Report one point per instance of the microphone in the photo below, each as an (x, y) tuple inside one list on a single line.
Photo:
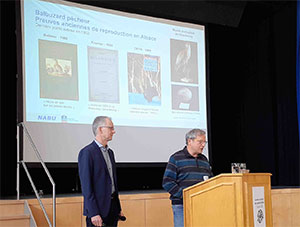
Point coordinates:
[(122, 218)]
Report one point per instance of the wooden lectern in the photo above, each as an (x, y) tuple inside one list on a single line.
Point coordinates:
[(229, 200)]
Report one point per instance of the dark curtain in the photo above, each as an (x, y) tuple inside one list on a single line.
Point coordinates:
[(253, 87), (298, 64), (8, 153)]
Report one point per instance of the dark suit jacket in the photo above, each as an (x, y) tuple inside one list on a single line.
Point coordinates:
[(95, 180)]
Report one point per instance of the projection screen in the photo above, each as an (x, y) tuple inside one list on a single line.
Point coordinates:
[(148, 74)]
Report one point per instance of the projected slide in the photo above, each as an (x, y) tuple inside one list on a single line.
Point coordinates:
[(82, 62), (79, 61)]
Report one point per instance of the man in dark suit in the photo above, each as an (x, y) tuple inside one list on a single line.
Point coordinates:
[(97, 172)]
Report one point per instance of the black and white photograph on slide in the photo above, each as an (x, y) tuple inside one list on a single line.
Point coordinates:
[(103, 75), (184, 61), (58, 70), (185, 98), (144, 82)]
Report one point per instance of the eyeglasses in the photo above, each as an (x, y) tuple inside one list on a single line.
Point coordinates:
[(201, 142), (110, 127)]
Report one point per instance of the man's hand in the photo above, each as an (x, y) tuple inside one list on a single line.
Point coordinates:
[(97, 220), (121, 213)]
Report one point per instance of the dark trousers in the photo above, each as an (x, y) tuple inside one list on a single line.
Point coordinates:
[(112, 218)]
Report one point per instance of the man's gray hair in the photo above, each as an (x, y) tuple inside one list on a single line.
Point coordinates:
[(99, 121), (193, 134)]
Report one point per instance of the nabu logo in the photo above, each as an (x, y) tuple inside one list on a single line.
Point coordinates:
[(46, 118)]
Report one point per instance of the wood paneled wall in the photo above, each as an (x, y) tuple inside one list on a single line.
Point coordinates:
[(154, 209), (286, 207), (140, 210)]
